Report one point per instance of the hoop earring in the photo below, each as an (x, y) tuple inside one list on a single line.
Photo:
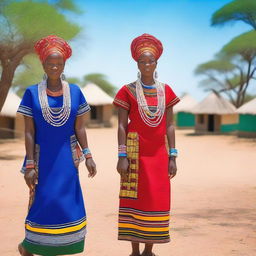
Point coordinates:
[(155, 74), (139, 75), (63, 77), (45, 76)]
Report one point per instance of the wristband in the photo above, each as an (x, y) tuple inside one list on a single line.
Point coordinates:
[(30, 164), (173, 152), (122, 151), (87, 153), (122, 155)]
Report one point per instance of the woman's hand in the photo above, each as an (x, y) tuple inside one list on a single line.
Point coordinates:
[(122, 168), (172, 169), (91, 167), (31, 178)]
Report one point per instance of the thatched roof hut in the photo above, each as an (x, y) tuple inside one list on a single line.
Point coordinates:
[(184, 117), (215, 114), (11, 105), (11, 124), (247, 119), (101, 105)]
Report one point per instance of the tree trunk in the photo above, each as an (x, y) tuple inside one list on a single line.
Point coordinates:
[(10, 60), (249, 77), (6, 82)]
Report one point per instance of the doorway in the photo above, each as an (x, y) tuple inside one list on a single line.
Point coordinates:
[(211, 123)]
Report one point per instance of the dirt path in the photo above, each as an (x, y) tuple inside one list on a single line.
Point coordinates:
[(213, 197)]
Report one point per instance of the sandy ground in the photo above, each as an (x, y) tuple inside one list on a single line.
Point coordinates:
[(213, 197)]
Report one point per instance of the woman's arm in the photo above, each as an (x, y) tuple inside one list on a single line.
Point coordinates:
[(29, 137), (82, 139), (30, 173), (170, 131), (122, 164), (122, 125)]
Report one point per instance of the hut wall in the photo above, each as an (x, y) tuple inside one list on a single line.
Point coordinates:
[(7, 127), (229, 123), (99, 116), (201, 123), (217, 123), (247, 125), (107, 114), (185, 119), (96, 114)]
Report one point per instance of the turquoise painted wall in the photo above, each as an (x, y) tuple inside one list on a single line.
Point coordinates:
[(184, 119), (247, 123), (228, 127)]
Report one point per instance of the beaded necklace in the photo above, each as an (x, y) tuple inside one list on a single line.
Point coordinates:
[(150, 118), (55, 117)]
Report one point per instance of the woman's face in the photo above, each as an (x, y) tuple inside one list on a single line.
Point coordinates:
[(54, 65), (147, 64)]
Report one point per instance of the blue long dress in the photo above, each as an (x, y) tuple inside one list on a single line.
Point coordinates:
[(56, 221)]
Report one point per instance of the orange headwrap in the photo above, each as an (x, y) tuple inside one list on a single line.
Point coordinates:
[(145, 43), (52, 44)]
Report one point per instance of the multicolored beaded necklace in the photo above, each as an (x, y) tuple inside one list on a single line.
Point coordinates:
[(151, 118)]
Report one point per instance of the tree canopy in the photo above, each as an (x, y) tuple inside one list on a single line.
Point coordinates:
[(22, 23), (244, 45), (30, 72), (221, 66), (234, 67), (102, 81), (237, 10)]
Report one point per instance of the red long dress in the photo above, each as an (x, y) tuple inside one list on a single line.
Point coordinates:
[(144, 210)]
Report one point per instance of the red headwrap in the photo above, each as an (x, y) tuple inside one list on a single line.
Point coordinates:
[(52, 44), (145, 43)]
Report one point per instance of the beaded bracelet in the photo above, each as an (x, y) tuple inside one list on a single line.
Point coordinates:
[(87, 153), (30, 164), (122, 151), (173, 152)]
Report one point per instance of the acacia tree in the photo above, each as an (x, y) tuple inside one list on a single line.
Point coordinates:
[(102, 81), (233, 69), (243, 49), (220, 77), (29, 72), (21, 25), (237, 10)]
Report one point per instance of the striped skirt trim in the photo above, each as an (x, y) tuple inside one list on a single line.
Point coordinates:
[(146, 227), (55, 229), (55, 238), (53, 250)]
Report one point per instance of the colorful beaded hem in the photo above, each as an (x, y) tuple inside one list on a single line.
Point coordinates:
[(146, 227), (53, 250)]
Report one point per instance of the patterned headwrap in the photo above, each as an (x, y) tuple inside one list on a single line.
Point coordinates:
[(145, 43), (52, 44)]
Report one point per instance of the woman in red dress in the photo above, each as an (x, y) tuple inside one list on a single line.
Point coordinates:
[(145, 164)]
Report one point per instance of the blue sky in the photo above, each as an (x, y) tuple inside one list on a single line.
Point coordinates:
[(183, 26)]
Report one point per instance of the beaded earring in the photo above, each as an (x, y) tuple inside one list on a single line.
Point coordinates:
[(139, 75), (45, 76), (63, 77), (155, 75)]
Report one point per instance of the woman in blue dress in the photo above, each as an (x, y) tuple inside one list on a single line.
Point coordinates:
[(55, 141)]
